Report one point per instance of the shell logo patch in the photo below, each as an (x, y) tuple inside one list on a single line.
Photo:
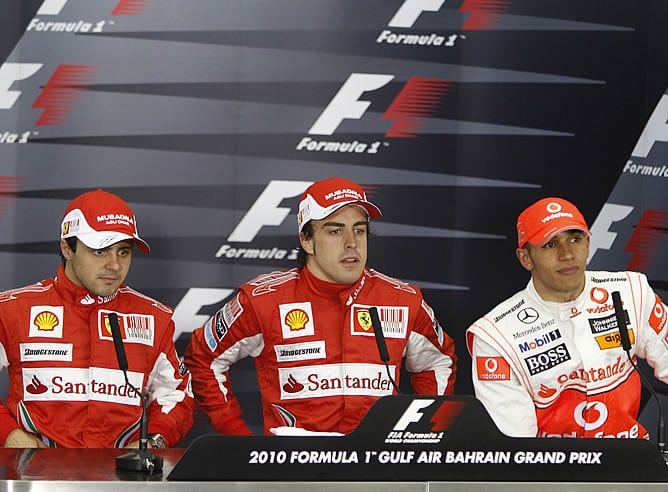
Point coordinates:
[(296, 319), (46, 321)]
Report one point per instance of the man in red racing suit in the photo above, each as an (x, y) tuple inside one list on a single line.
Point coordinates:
[(310, 333), (65, 385), (548, 361)]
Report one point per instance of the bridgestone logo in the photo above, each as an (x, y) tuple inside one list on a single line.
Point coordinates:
[(31, 352), (511, 310), (40, 352), (298, 352)]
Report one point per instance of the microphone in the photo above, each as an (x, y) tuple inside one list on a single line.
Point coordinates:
[(118, 342), (380, 343), (142, 459), (622, 321)]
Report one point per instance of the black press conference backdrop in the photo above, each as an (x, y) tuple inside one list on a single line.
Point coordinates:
[(212, 116)]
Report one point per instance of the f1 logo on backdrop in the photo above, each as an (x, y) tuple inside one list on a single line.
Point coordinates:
[(60, 93), (57, 97), (418, 99), (123, 7), (483, 14), (647, 162), (266, 211)]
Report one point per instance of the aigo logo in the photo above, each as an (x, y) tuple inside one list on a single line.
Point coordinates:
[(417, 100)]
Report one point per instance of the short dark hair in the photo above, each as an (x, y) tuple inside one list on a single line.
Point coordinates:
[(307, 230), (72, 243)]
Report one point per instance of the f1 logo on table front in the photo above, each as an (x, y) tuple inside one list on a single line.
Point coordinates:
[(422, 422)]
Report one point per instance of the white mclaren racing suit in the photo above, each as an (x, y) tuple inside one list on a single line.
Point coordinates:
[(547, 369)]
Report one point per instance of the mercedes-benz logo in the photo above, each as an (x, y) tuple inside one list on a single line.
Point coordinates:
[(527, 315)]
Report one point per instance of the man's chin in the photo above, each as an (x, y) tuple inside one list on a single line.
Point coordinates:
[(350, 277)]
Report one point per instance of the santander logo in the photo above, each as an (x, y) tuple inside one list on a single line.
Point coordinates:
[(36, 387)]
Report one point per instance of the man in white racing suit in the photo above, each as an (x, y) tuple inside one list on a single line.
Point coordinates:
[(548, 361)]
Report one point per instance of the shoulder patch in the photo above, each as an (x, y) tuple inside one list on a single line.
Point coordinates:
[(268, 282)]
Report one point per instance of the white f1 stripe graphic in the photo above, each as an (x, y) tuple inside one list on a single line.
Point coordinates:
[(10, 73), (346, 102), (51, 7), (409, 12)]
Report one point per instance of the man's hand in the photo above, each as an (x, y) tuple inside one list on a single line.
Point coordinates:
[(135, 445), (20, 439)]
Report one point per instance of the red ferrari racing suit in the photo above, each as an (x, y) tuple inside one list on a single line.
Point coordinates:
[(65, 384), (315, 352), (548, 369)]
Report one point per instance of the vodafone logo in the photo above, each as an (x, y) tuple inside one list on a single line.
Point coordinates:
[(590, 415), (658, 318), (553, 207), (492, 369), (598, 295)]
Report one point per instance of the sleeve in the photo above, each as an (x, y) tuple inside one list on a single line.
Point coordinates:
[(430, 355), (7, 421), (170, 400), (652, 327), (228, 336), (499, 390)]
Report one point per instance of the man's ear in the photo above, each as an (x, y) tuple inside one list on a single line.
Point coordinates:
[(524, 258), (306, 244), (65, 249)]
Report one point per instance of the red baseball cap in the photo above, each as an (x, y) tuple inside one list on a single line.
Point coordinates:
[(546, 218), (99, 219), (325, 197)]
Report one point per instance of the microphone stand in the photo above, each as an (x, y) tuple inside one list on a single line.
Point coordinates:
[(622, 321), (143, 459), (380, 343)]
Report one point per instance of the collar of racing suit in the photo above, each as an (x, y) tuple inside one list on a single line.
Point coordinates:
[(78, 295), (332, 290)]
